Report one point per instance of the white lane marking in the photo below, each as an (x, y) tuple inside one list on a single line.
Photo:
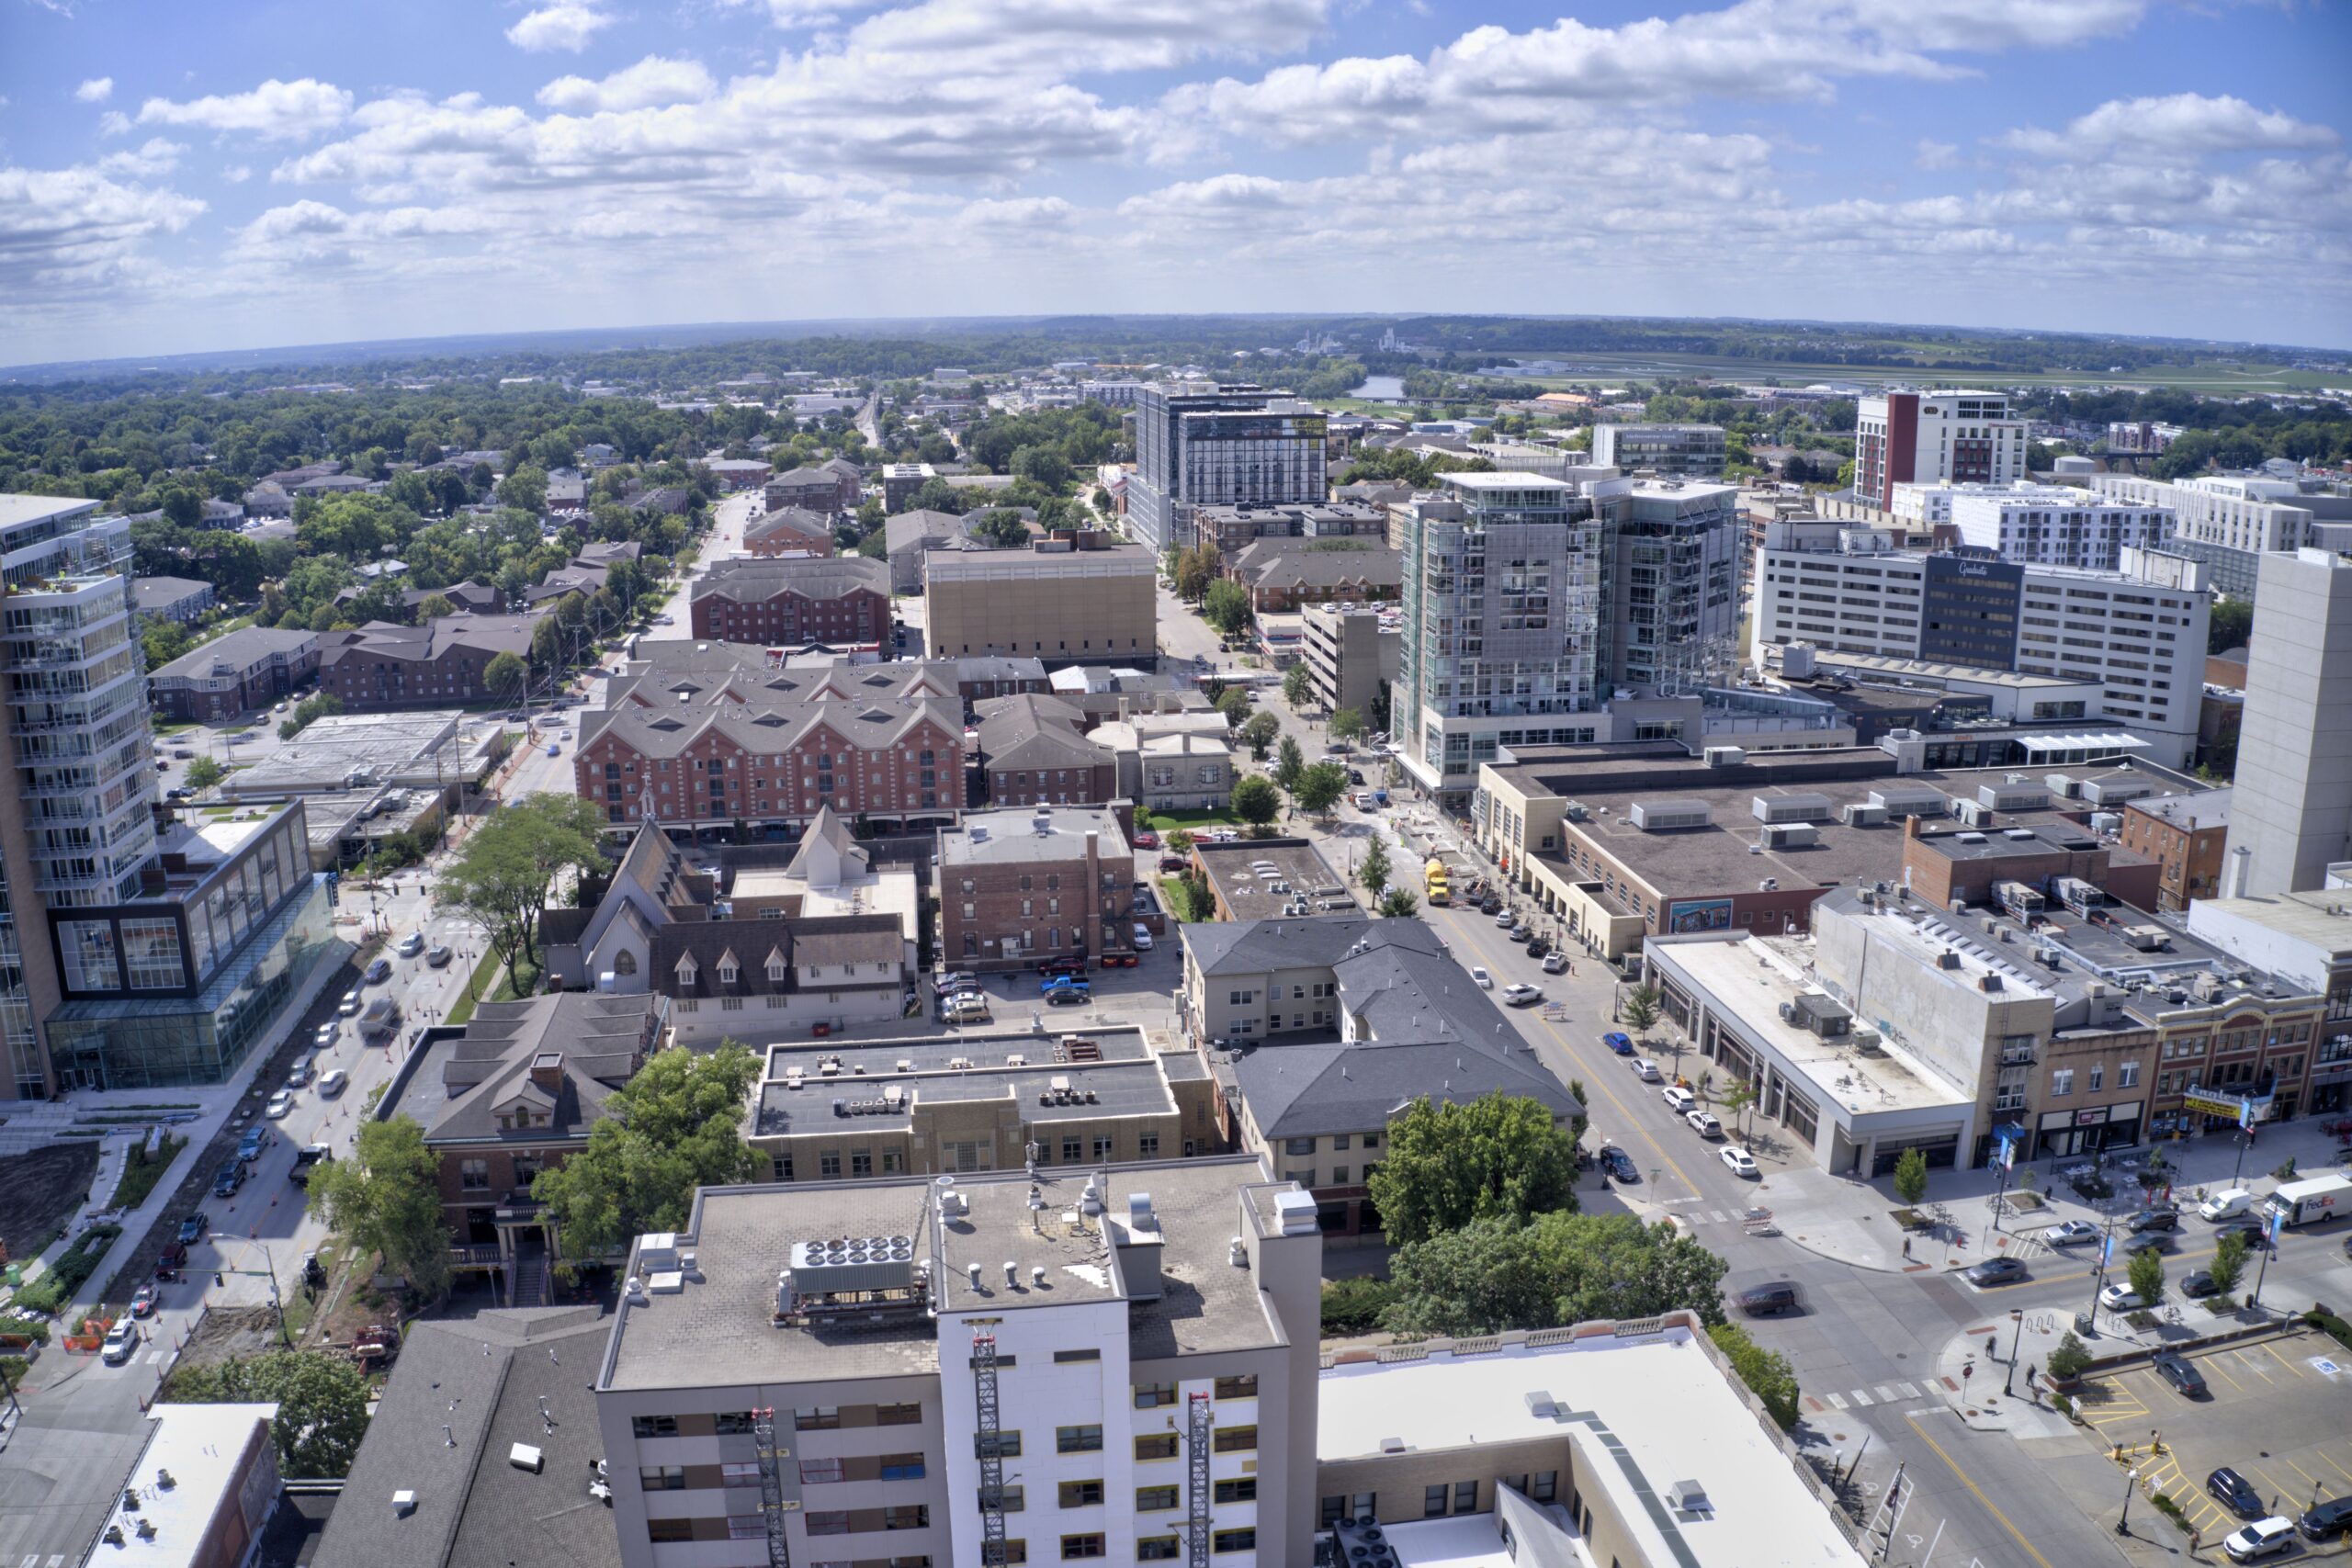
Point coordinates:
[(1908, 1390), (1862, 1396), (1837, 1399)]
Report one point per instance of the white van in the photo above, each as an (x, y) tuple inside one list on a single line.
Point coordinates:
[(1681, 1098), (2225, 1205)]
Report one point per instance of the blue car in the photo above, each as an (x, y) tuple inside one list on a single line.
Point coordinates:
[(1055, 982), (1621, 1043), (250, 1146)]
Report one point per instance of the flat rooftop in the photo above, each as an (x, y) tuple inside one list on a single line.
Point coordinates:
[(1263, 879), (2205, 809), (393, 747), (1931, 670), (879, 1083), (1754, 975), (721, 1330), (1010, 837), (896, 890), (1657, 1403)]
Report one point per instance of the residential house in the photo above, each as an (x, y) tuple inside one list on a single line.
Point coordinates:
[(1033, 752)]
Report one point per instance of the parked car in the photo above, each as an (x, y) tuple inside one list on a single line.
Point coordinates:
[(2326, 1521), (1053, 967), (327, 1036), (350, 1005), (305, 1157), (1678, 1098), (1537, 947), (1147, 840), (281, 1105), (250, 1145), (1996, 1271), (2071, 1233), (967, 1008), (1502, 917), (1769, 1300), (1173, 863), (438, 956), (1523, 934), (378, 971), (333, 1083), (2235, 1493), (1492, 907), (1741, 1162), (1704, 1123), (175, 1255), (1555, 963), (410, 944), (2198, 1283), (1618, 1164), (1071, 995), (2263, 1537), (1523, 995), (1621, 1043), (228, 1179), (1142, 937), (2139, 1243), (2180, 1373), (953, 985), (2122, 1298), (2154, 1220), (1644, 1069), (193, 1229), (1480, 978), (121, 1340), (2246, 1225)]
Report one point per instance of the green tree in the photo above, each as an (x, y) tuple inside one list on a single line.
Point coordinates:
[(2146, 1274), (2230, 623), (1297, 685), (1738, 1099), (502, 873), (1911, 1177), (164, 641), (1495, 1274), (1319, 788), (1193, 573), (1767, 1373), (1399, 903), (1226, 606), (1640, 1009), (204, 772), (1347, 724), (1448, 1164), (1259, 733), (505, 676), (1042, 465), (1256, 801), (385, 1200), (2229, 1264), (675, 1126), (526, 489), (2069, 1360), (1374, 870), (1234, 703), (1001, 529), (321, 1402), (433, 606), (1290, 763)]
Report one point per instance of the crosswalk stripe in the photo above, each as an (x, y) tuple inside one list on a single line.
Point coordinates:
[(1837, 1399), (1862, 1396), (1909, 1392), (1887, 1394)]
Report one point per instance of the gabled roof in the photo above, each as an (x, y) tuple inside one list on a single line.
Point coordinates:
[(1318, 563), (797, 522), (751, 580), (921, 529), (1256, 947), (663, 712), (829, 852), (832, 939), (600, 1040), (236, 651), (1032, 730), (1310, 1091), (489, 634)]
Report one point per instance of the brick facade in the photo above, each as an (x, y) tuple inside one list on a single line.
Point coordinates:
[(919, 770), (789, 617)]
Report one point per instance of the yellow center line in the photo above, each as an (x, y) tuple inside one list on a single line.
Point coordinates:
[(1977, 1492)]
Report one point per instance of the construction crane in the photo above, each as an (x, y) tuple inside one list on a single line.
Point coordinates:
[(1196, 1477), (770, 1485), (988, 1440)]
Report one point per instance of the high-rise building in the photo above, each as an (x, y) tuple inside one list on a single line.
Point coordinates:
[(1215, 448), (1670, 581), (2037, 523), (1685, 451), (2231, 521), (2291, 815), (1933, 437)]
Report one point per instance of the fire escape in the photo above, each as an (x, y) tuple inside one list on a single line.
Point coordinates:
[(1196, 1476), (770, 1485), (988, 1438)]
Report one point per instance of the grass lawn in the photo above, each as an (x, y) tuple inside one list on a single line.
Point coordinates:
[(1180, 902), (139, 1172), (1163, 821), (521, 980), (485, 981)]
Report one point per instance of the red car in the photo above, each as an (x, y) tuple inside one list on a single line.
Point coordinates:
[(1147, 840), (1053, 967), (1174, 863), (174, 1256)]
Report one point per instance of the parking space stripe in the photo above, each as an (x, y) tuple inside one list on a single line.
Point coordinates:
[(2298, 1469), (2280, 1495), (2283, 1360), (2333, 1466), (2248, 1366), (2213, 1364)]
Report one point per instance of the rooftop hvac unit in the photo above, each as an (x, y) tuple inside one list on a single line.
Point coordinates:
[(1724, 756), (1804, 805), (852, 1263), (1659, 816), (2115, 791), (1574, 810), (2013, 796), (1858, 814), (1789, 835), (2065, 787), (1970, 812), (1896, 800), (2107, 821)]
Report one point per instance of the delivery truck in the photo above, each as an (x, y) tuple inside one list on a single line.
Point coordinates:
[(2314, 1198)]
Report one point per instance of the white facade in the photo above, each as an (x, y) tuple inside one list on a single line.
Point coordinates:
[(1932, 438), (2292, 811), (2045, 525), (2234, 512)]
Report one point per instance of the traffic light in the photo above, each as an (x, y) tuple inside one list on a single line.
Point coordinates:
[(217, 1277)]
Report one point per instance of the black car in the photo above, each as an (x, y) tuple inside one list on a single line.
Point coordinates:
[(2198, 1283), (1769, 1300), (2326, 1521), (2180, 1373), (2235, 1493), (231, 1177), (192, 1229), (1070, 995), (2144, 1242), (2244, 1226), (1355, 775), (2150, 1219), (1491, 907), (1618, 1164)]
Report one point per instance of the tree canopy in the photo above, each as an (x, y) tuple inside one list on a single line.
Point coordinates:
[(1256, 801), (321, 1402), (1557, 1268), (675, 1126), (1319, 788), (502, 873), (1449, 1164), (386, 1200)]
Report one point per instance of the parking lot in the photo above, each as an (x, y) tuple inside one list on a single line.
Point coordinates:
[(2274, 1413)]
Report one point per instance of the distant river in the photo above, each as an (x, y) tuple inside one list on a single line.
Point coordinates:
[(1382, 388)]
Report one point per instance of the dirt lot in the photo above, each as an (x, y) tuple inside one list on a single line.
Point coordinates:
[(45, 1188)]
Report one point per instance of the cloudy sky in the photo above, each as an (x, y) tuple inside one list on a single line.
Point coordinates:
[(178, 177)]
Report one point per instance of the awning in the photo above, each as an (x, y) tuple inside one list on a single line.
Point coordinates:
[(2110, 740)]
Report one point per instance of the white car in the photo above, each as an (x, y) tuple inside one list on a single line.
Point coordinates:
[(1742, 1163), (1645, 1069), (410, 944), (1523, 995), (1480, 978), (2264, 1537), (325, 1038), (1143, 938), (2071, 1233), (2121, 1298), (121, 1340), (350, 1005), (333, 1083), (281, 1105), (1704, 1123)]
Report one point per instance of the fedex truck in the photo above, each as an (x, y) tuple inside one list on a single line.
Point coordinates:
[(2314, 1198)]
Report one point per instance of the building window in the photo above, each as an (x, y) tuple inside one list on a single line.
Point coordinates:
[(1157, 1445), (897, 1415), (819, 1471), (739, 1473), (820, 1419), (1242, 1387), (1159, 1549), (1234, 1541), (1086, 1354), (1008, 1552), (1244, 1490), (1298, 1145), (1433, 1500), (473, 1175), (1151, 1395), (907, 1516), (653, 1426), (1076, 1548), (1147, 1145), (1088, 1439), (1465, 1496), (1008, 1444), (829, 1165), (834, 1521), (2097, 1078), (1012, 1499), (1236, 1440), (661, 1477), (2062, 1083), (663, 1530), (1156, 1499), (1547, 1485)]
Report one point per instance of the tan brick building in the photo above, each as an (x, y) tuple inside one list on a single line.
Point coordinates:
[(2184, 835), (1085, 602)]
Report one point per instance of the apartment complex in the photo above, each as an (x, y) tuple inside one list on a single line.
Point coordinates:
[(1350, 654), (1087, 600), (789, 532), (2130, 643), (1232, 529), (2291, 813), (1288, 574), (1019, 886), (1034, 751), (1671, 571), (1671, 451), (382, 666), (2038, 524), (1071, 1366), (688, 747), (249, 668), (1934, 439), (839, 601), (2231, 521), (1236, 443)]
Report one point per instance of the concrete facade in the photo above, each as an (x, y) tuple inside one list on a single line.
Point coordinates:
[(1090, 605), (2291, 814)]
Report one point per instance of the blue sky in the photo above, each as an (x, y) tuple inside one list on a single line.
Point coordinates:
[(178, 177)]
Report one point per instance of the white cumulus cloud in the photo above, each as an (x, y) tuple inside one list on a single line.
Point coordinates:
[(276, 112), (649, 83), (567, 25), (2184, 124), (97, 90)]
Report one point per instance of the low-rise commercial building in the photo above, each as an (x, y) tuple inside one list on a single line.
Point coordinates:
[(2186, 835), (1257, 879), (1084, 602), (200, 1489), (841, 600), (1350, 655), (233, 674), (1019, 886)]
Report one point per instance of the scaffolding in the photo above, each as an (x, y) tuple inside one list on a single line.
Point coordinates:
[(770, 1485), (1196, 1477), (987, 1440)]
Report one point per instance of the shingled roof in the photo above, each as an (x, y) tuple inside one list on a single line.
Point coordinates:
[(1036, 731), (751, 580), (1300, 1092)]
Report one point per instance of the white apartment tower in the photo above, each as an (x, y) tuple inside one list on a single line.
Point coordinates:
[(1933, 438), (2039, 525)]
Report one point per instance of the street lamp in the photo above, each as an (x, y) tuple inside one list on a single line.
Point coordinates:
[(2017, 1316), (2123, 1520)]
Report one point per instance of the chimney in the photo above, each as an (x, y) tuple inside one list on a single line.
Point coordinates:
[(547, 1071)]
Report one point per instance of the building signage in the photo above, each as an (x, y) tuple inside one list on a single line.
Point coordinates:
[(2243, 1108), (1697, 914)]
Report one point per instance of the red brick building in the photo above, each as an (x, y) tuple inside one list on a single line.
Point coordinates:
[(2184, 835), (839, 600), (1019, 886), (442, 663), (1034, 751), (772, 747), (794, 531)]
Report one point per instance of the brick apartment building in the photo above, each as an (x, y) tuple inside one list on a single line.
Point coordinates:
[(789, 532), (821, 489), (1018, 886), (380, 666), (2184, 835), (1034, 753), (772, 747), (250, 668), (835, 599)]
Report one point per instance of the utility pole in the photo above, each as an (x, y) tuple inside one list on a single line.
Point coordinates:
[(2015, 1341)]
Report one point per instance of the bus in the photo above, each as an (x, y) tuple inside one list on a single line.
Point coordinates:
[(1434, 878)]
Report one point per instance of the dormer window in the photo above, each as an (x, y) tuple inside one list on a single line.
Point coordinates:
[(686, 970), (728, 971), (778, 968)]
